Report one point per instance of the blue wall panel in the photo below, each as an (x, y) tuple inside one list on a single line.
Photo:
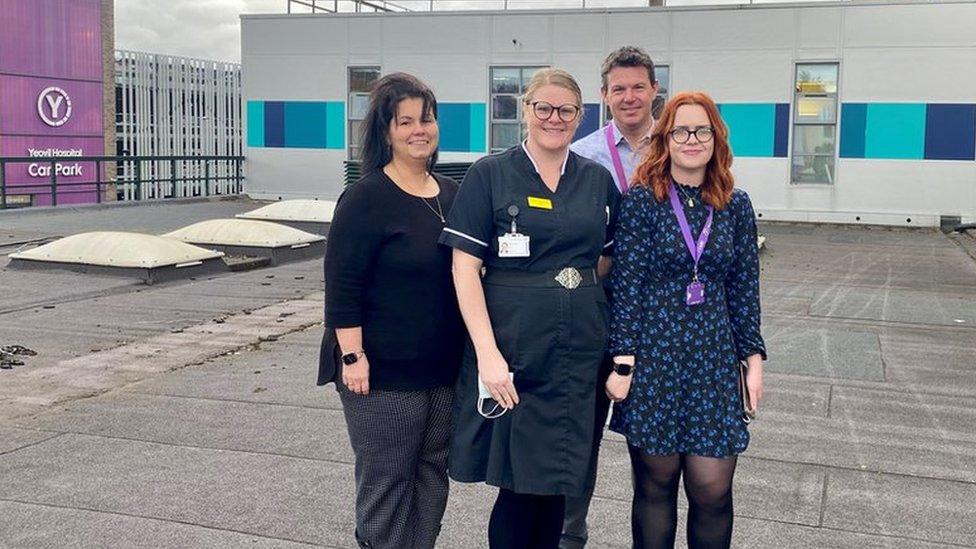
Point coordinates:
[(781, 141), (853, 121), (950, 132), (296, 124), (590, 122), (274, 124)]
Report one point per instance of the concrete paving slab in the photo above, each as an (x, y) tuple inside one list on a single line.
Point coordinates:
[(12, 439), (30, 526), (824, 352), (914, 508), (908, 306), (844, 443), (26, 389), (931, 361), (953, 417), (785, 395), (284, 370), (749, 533), (278, 497), (312, 433)]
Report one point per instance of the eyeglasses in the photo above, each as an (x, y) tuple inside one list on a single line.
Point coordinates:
[(544, 110), (681, 134)]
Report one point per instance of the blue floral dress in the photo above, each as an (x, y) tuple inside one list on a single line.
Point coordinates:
[(684, 396)]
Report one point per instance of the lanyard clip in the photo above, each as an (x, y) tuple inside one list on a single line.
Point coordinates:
[(513, 211)]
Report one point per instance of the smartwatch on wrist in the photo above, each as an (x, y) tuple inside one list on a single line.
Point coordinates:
[(351, 358), (623, 369)]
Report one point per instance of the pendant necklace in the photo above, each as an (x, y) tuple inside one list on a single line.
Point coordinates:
[(690, 199), (439, 212)]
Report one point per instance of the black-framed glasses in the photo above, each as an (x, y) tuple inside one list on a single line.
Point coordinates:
[(543, 111), (681, 134)]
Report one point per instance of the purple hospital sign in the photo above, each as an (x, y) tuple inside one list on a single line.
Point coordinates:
[(51, 97)]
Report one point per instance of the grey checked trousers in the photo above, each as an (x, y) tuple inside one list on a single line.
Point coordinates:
[(400, 439)]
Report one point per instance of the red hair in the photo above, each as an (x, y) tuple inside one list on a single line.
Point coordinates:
[(655, 170)]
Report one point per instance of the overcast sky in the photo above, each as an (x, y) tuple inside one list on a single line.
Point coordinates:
[(211, 29)]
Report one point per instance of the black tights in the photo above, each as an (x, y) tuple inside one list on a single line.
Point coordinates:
[(526, 521), (708, 485)]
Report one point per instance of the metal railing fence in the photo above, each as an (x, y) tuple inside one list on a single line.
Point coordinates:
[(139, 178)]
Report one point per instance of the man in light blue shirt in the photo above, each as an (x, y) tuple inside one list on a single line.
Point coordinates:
[(629, 89)]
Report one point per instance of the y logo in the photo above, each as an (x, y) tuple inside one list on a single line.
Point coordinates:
[(54, 106)]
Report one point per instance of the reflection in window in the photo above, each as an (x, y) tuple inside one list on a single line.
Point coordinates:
[(814, 123), (361, 79)]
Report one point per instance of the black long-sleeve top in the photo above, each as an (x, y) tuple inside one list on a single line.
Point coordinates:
[(385, 272)]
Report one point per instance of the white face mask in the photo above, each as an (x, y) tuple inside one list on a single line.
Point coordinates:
[(495, 409)]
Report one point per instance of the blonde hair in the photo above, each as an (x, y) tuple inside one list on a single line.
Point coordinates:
[(555, 77)]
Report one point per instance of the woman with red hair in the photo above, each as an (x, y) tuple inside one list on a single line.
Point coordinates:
[(686, 282)]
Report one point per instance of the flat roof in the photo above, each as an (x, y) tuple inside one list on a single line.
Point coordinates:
[(598, 10)]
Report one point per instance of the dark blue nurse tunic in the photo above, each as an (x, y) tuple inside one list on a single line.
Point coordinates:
[(552, 338)]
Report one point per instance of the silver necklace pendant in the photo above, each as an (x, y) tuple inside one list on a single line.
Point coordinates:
[(691, 202)]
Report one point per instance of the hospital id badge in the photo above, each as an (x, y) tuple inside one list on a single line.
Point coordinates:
[(513, 245)]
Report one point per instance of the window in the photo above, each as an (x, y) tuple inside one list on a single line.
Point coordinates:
[(814, 123), (507, 86), (663, 75), (360, 81)]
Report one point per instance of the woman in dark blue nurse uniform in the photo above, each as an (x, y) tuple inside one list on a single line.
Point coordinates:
[(538, 218)]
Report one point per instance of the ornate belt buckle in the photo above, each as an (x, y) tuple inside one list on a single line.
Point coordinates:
[(569, 278)]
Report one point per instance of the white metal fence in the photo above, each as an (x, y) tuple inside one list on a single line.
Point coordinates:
[(176, 106)]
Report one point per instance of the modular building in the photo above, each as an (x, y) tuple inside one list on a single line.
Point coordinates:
[(853, 112)]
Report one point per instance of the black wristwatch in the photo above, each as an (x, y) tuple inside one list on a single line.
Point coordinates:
[(351, 358), (622, 369)]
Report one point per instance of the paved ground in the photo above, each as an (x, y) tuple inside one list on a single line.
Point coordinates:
[(184, 415)]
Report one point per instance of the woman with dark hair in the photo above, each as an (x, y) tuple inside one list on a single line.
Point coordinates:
[(686, 282), (391, 301)]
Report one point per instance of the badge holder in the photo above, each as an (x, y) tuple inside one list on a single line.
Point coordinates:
[(513, 244), (695, 293)]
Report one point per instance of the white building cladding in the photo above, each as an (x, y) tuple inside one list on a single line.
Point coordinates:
[(177, 106), (852, 113)]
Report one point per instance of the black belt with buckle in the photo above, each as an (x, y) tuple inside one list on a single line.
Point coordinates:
[(569, 278)]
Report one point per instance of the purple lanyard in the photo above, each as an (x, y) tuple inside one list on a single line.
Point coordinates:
[(696, 248), (618, 166)]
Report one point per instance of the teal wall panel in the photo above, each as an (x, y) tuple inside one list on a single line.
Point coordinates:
[(462, 126), (305, 124), (479, 119), (454, 122), (335, 128), (853, 124), (255, 123), (895, 131), (296, 124), (752, 128)]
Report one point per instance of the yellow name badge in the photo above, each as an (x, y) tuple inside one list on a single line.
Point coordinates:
[(541, 203)]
